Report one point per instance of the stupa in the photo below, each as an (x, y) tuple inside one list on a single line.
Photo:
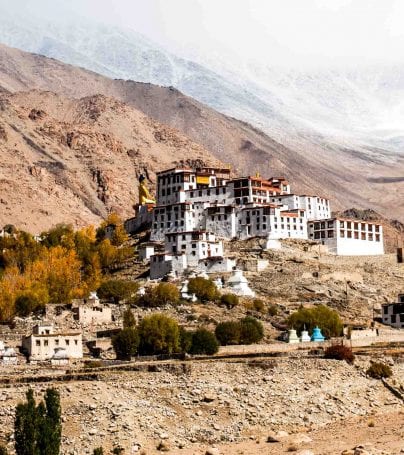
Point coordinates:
[(292, 337), (239, 285), (185, 294), (317, 335), (304, 336)]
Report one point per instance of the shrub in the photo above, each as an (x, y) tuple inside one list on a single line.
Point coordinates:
[(339, 352), (322, 316), (159, 334), (3, 450), (228, 332), (126, 343), (252, 331), (258, 305), (230, 300), (272, 310), (205, 290), (204, 342), (185, 340), (379, 370), (117, 290), (98, 451)]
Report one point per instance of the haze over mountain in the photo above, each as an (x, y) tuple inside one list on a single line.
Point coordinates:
[(359, 105), (344, 175)]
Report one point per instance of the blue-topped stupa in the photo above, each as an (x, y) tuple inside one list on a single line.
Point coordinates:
[(317, 335)]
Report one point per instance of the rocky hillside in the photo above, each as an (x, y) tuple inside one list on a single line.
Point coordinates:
[(74, 160), (350, 176)]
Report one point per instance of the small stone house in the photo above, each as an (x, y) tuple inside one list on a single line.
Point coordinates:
[(91, 311), (43, 343)]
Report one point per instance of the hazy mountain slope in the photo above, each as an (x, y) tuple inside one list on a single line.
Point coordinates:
[(349, 176), (361, 105), (74, 160)]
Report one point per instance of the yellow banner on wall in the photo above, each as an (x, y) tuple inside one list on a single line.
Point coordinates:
[(202, 180)]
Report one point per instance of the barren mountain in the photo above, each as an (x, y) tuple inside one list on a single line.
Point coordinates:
[(357, 177), (74, 160)]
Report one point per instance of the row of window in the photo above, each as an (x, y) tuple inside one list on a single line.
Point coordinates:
[(46, 342)]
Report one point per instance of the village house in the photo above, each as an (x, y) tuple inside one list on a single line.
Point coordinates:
[(91, 311), (44, 343), (393, 313)]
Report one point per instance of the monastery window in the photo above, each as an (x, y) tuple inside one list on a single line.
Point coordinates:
[(276, 226), (199, 193), (161, 225), (192, 194), (264, 226), (356, 226), (323, 234), (356, 235), (192, 178), (208, 192), (264, 218), (183, 247), (349, 225), (217, 191), (330, 224), (168, 191), (282, 226), (377, 237), (322, 225), (193, 253), (219, 217), (363, 236), (370, 237), (45, 342), (316, 235), (38, 342), (349, 234), (377, 228), (194, 245), (258, 226), (393, 318), (76, 342), (301, 228), (282, 220), (56, 342), (67, 342), (342, 223)]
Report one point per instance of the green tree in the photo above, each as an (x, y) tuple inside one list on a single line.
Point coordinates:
[(159, 334), (50, 423), (26, 427), (98, 451), (204, 289), (126, 343), (228, 332), (185, 340), (252, 331), (204, 342), (28, 303), (327, 319), (128, 319), (117, 290)]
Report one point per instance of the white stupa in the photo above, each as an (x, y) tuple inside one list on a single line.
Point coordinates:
[(305, 337), (185, 294), (239, 285), (292, 337)]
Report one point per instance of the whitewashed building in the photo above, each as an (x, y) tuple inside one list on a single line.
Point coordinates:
[(209, 202), (43, 343), (347, 237), (393, 313)]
